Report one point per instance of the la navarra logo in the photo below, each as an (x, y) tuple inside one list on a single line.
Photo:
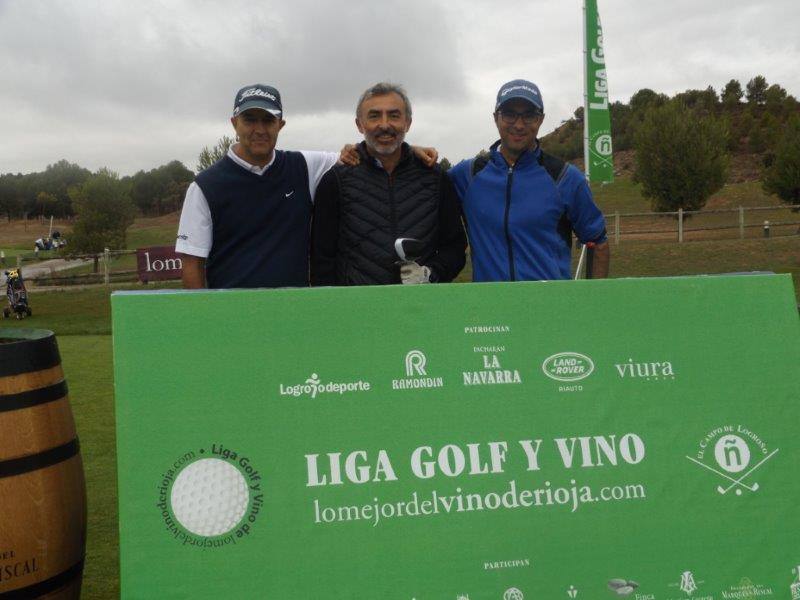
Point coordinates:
[(734, 454)]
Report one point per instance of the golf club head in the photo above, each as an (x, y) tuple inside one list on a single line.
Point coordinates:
[(408, 249)]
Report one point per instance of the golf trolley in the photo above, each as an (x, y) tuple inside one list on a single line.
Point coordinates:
[(17, 295)]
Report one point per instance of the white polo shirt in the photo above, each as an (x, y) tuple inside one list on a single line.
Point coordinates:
[(195, 231)]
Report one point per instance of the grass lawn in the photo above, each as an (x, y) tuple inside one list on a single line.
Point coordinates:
[(88, 369)]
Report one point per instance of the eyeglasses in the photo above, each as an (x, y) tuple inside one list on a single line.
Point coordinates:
[(510, 117)]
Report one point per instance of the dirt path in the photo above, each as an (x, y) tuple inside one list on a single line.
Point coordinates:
[(44, 268)]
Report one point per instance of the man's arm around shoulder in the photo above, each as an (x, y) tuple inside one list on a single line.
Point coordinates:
[(325, 231), (451, 253)]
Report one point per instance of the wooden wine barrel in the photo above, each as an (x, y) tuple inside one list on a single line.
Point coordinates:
[(42, 488)]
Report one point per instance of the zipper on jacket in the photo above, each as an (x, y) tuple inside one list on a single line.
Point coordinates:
[(511, 270), (392, 207)]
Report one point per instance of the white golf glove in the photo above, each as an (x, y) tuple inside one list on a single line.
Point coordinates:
[(412, 272)]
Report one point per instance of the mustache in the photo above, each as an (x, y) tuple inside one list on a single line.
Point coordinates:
[(385, 131)]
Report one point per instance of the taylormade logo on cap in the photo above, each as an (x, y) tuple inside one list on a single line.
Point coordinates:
[(519, 88), (259, 96)]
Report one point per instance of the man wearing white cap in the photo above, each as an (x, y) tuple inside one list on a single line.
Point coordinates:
[(245, 220), (522, 206)]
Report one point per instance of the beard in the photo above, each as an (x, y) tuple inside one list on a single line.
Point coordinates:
[(384, 148)]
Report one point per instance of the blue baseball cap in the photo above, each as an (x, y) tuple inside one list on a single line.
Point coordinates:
[(520, 88), (260, 96)]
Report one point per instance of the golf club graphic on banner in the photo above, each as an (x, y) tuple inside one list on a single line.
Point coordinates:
[(597, 146), (452, 441)]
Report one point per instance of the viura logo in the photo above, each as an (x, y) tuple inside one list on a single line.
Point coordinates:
[(650, 371), (568, 366)]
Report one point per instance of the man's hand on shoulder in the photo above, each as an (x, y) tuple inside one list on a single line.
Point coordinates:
[(349, 155), (428, 156)]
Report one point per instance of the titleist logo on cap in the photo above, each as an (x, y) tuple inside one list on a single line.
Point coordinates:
[(519, 87), (256, 92)]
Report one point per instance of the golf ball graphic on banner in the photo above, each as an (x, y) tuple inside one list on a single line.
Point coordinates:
[(209, 497), (210, 501)]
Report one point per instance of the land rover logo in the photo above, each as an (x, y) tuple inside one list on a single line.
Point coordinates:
[(568, 366)]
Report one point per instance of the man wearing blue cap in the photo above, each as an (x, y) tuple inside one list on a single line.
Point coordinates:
[(521, 205), (246, 219)]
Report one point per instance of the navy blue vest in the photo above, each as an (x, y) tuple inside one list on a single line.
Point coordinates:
[(260, 223)]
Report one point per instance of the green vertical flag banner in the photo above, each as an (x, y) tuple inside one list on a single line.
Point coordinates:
[(597, 153), (590, 440)]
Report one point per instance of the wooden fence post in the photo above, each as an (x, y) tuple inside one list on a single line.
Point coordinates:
[(741, 222), (680, 225), (105, 266)]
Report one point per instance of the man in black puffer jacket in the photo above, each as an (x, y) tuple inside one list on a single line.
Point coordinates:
[(360, 211)]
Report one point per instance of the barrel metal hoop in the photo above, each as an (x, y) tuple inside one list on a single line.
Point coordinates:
[(44, 587), (28, 355), (40, 460), (51, 393)]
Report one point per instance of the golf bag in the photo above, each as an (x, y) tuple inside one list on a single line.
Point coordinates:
[(17, 296)]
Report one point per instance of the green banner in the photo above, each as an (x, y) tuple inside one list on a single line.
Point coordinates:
[(597, 118), (536, 440)]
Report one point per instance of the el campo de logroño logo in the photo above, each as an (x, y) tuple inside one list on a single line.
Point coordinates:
[(734, 453)]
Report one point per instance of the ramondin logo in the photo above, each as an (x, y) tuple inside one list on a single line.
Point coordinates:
[(313, 386), (729, 452), (415, 363), (416, 374), (210, 501), (568, 366)]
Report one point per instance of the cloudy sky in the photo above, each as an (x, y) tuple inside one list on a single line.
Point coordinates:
[(133, 85)]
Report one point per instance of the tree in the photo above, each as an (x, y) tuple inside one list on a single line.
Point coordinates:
[(681, 157), (444, 164), (46, 203), (644, 99), (732, 93), (782, 177), (208, 156), (756, 90), (774, 98), (10, 198), (706, 99), (756, 139), (161, 190), (56, 180), (105, 211)]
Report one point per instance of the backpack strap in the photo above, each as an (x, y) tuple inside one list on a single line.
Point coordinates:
[(477, 164), (554, 166)]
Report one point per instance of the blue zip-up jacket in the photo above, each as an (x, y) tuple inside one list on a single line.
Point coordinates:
[(519, 220)]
